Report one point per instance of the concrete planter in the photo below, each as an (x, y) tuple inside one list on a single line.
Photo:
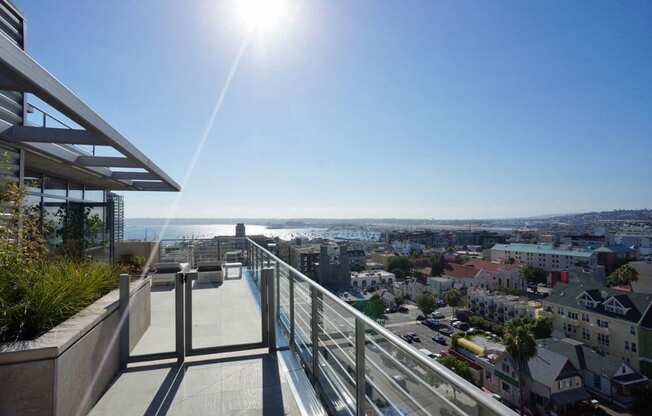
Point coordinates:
[(66, 370)]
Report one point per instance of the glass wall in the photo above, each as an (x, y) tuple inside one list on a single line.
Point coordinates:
[(76, 218)]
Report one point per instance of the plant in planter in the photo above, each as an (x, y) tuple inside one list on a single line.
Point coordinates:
[(37, 291)]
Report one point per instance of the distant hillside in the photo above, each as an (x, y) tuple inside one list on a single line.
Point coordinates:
[(606, 216)]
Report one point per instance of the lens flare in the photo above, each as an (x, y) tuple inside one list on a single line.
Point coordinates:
[(262, 15)]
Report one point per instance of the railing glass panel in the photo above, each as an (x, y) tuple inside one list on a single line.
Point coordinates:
[(383, 375)]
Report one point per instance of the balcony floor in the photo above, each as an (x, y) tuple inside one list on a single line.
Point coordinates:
[(253, 382)]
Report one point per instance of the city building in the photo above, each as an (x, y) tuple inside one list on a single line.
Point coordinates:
[(546, 256), (502, 308), (372, 278), (64, 170), (552, 382), (607, 378), (439, 285), (240, 230), (485, 275), (610, 321)]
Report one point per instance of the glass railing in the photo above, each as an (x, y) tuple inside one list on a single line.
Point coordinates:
[(356, 366)]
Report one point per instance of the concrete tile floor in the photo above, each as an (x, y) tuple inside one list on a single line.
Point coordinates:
[(254, 383), (240, 383)]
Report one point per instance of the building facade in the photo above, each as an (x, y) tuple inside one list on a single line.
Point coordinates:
[(610, 321), (545, 256), (57, 165)]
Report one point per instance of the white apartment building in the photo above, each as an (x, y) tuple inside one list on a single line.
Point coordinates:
[(372, 278), (502, 308), (545, 256)]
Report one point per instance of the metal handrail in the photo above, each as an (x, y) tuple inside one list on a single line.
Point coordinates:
[(447, 375)]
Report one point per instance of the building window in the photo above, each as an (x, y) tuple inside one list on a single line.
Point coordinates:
[(585, 317), (626, 345), (634, 347), (505, 386), (602, 324), (632, 330)]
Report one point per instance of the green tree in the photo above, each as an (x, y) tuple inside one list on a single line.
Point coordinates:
[(400, 266), (453, 298), (458, 366), (542, 328), (375, 307), (521, 346), (534, 275), (625, 275), (437, 265), (22, 235), (427, 303)]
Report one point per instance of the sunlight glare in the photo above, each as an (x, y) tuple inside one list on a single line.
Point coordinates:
[(262, 15)]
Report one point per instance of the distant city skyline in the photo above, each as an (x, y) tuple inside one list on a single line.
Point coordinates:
[(443, 110)]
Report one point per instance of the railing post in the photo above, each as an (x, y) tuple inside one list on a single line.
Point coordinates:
[(179, 318), (277, 298), (360, 380), (266, 276), (188, 310), (124, 320), (271, 301), (291, 276), (314, 333)]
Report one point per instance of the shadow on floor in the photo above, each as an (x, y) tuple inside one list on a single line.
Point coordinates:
[(272, 397)]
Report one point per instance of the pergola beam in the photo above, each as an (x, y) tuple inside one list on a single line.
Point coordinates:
[(151, 186), (21, 134), (134, 175), (108, 162)]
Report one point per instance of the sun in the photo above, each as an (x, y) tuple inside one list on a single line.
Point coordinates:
[(262, 15)]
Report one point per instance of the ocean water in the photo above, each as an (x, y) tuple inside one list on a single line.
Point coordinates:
[(148, 230)]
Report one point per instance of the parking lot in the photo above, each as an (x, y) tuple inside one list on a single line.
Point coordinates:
[(404, 323)]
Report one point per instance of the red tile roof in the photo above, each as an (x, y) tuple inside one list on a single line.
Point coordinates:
[(460, 270), (489, 266)]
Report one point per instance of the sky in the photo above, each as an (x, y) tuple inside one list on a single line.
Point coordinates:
[(369, 108)]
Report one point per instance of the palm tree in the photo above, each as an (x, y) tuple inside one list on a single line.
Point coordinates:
[(521, 346), (624, 275), (453, 298)]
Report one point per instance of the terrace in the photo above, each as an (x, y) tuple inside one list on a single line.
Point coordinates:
[(274, 342)]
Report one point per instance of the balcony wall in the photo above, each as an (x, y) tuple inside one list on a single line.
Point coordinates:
[(66, 370)]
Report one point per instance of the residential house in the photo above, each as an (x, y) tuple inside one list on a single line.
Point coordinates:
[(552, 382), (612, 322), (606, 377)]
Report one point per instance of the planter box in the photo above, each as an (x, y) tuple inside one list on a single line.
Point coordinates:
[(66, 370)]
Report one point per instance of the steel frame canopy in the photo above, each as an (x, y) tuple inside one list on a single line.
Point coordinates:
[(19, 72)]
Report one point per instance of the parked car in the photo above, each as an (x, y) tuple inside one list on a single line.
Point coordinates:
[(437, 315), (440, 339), (393, 309), (462, 326), (446, 330), (407, 337), (414, 336), (403, 309), (431, 323), (421, 318)]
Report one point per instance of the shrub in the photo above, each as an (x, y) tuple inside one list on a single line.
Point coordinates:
[(458, 366), (36, 299)]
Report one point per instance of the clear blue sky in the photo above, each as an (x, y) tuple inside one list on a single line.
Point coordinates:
[(368, 108)]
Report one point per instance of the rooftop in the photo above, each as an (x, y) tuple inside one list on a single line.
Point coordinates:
[(339, 362), (637, 303), (541, 248)]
